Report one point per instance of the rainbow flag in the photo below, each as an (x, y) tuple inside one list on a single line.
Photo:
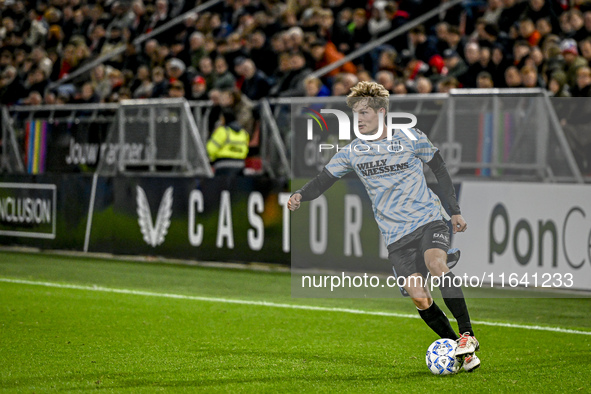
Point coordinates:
[(35, 146)]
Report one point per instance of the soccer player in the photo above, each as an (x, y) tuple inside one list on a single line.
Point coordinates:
[(409, 215)]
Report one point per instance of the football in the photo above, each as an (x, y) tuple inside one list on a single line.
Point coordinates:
[(441, 358)]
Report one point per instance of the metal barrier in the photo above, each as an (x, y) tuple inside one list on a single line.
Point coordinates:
[(508, 134)]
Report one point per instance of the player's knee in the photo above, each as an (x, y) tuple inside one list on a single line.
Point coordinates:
[(437, 265), (422, 303)]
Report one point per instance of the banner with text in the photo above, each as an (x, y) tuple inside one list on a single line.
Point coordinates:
[(526, 235), (242, 219)]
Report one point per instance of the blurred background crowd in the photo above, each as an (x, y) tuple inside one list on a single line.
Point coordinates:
[(242, 50)]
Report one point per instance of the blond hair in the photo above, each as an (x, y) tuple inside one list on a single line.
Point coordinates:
[(372, 94)]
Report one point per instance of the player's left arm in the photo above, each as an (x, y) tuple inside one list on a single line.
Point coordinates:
[(429, 154), (446, 186)]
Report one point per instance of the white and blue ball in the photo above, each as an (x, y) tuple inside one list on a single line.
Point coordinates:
[(441, 357)]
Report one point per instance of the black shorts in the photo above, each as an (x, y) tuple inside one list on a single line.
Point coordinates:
[(407, 254)]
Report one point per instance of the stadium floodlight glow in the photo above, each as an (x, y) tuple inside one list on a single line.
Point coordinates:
[(345, 124)]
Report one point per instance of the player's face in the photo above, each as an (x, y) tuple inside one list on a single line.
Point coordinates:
[(368, 119)]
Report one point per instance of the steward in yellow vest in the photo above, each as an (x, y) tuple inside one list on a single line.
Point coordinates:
[(228, 146)]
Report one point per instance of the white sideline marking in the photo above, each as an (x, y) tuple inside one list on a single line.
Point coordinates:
[(277, 305)]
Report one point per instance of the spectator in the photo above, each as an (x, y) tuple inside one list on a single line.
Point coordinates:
[(298, 73), (315, 88), (422, 46), (196, 49), (326, 53), (493, 11), (49, 98), (484, 81), (387, 61), (336, 33), (224, 80), (510, 14), (235, 49), (583, 82), (446, 84), (159, 17), (37, 30), (585, 47), (34, 98), (498, 65), (100, 82), (176, 71), (513, 77), (240, 105), (176, 90), (40, 58), (138, 18), (521, 51), (261, 54), (456, 67), (400, 87), (441, 31), (142, 87), (528, 32), (358, 28), (11, 89), (256, 84), (68, 62), (544, 27), (117, 80), (472, 52), (338, 89), (282, 76), (199, 88), (364, 75), (386, 79), (206, 71), (160, 83), (349, 80), (572, 60), (97, 39), (455, 41), (36, 81), (558, 86), (87, 95), (424, 85)]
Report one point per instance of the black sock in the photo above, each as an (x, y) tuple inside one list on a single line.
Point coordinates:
[(438, 322), (453, 296)]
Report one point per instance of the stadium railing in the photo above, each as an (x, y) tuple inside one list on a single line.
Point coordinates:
[(509, 134)]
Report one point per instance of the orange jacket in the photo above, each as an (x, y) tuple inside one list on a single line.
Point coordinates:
[(331, 55)]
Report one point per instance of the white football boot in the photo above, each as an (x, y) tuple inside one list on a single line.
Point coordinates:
[(471, 362), (467, 345)]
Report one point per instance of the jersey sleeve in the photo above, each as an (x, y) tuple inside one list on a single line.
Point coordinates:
[(340, 164), (424, 149)]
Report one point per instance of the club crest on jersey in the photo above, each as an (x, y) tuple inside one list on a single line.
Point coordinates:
[(396, 147)]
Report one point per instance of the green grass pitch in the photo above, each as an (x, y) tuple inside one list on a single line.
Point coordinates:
[(75, 324)]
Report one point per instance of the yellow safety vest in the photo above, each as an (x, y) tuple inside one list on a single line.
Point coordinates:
[(227, 143)]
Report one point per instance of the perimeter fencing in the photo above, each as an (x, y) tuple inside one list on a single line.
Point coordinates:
[(516, 134)]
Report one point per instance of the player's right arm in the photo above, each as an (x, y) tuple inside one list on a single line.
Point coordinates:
[(312, 190), (338, 166)]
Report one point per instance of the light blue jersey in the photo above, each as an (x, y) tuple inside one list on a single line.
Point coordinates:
[(392, 173)]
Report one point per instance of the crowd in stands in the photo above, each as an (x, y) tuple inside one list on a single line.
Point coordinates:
[(242, 50)]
